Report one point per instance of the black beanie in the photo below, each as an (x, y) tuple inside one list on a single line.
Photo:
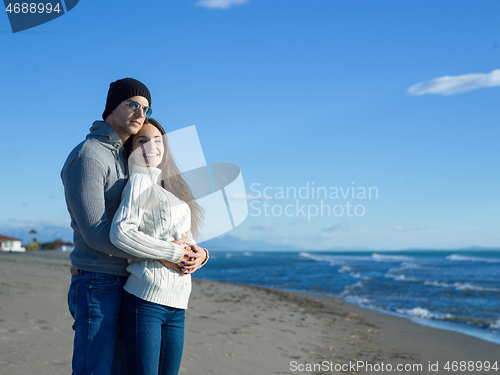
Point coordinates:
[(124, 89)]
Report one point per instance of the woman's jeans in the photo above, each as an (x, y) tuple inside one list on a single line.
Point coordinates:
[(94, 300), (153, 336)]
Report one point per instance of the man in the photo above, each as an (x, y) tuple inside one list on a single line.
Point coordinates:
[(94, 176)]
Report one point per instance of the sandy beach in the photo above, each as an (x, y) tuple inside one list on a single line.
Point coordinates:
[(234, 329)]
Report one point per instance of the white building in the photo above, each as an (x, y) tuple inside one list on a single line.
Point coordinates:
[(65, 246), (10, 244)]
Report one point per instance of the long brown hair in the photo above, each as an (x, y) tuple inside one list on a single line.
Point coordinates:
[(172, 179)]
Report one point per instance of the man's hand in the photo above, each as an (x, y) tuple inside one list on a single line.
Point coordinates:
[(171, 265)]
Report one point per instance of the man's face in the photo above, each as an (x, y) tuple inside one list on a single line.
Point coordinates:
[(124, 121)]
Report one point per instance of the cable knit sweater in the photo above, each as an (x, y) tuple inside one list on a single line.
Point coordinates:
[(148, 219)]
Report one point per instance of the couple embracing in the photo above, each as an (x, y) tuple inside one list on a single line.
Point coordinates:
[(134, 219)]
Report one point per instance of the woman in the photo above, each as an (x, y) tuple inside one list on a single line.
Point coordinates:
[(157, 216)]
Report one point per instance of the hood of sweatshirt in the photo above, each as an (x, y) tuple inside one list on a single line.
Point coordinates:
[(105, 135)]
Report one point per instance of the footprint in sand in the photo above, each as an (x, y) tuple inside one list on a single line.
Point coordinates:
[(43, 324), (56, 362)]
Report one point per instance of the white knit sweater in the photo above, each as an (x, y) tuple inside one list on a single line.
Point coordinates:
[(148, 219)]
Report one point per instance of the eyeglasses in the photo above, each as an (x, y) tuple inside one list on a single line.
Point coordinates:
[(134, 106)]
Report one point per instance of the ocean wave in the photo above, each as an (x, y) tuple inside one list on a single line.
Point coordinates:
[(404, 266), (408, 265), (349, 288), (345, 269), (391, 258), (461, 286), (421, 313), (357, 275), (306, 255), (322, 258), (438, 284), (357, 300), (333, 260), (402, 278), (463, 258), (467, 286), (495, 326)]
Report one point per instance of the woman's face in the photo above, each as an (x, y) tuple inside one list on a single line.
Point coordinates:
[(147, 146)]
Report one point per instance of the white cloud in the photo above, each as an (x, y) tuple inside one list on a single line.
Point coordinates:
[(219, 4), (450, 85)]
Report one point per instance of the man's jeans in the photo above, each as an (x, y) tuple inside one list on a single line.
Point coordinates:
[(94, 300), (153, 336)]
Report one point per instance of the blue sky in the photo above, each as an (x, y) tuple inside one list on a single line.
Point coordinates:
[(401, 96)]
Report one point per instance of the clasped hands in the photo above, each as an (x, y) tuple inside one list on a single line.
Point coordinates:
[(192, 258)]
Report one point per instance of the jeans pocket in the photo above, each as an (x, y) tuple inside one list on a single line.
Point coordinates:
[(103, 281), (73, 300)]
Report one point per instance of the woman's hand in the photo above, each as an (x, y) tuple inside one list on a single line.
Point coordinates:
[(191, 264), (187, 253), (192, 258)]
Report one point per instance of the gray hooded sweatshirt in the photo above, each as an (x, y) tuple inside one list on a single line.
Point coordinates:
[(94, 176)]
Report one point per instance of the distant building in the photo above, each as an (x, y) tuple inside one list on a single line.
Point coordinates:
[(65, 246), (10, 244), (58, 245)]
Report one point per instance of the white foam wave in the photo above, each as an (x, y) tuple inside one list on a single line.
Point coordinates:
[(357, 275), (461, 286), (463, 258), (401, 278), (307, 255), (495, 325), (349, 288), (345, 269), (332, 260), (358, 300), (438, 284), (467, 286), (391, 258), (421, 313), (408, 265)]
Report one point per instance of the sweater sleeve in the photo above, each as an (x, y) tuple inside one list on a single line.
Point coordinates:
[(125, 233), (84, 180)]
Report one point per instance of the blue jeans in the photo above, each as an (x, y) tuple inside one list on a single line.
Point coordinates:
[(94, 300), (153, 336)]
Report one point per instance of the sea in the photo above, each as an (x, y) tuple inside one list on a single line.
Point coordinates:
[(451, 290)]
